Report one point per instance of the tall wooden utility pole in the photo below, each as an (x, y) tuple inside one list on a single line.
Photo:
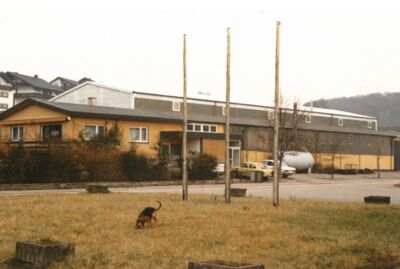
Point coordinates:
[(275, 189), (184, 137), (227, 114)]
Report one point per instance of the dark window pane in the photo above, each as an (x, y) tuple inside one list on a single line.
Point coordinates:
[(100, 130)]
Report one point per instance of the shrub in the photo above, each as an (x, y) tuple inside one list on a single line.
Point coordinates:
[(317, 168), (54, 163), (365, 171), (99, 158), (136, 166), (99, 163), (202, 166)]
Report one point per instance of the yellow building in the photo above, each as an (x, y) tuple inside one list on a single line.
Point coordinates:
[(148, 120), (39, 122)]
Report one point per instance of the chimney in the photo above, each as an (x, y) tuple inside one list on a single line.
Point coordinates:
[(92, 101), (36, 76)]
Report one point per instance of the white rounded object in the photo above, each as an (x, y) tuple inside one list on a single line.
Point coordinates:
[(299, 159)]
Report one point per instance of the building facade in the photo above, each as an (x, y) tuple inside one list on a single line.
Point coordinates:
[(25, 87), (6, 93), (149, 119)]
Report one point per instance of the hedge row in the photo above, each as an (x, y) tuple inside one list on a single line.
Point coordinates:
[(97, 160)]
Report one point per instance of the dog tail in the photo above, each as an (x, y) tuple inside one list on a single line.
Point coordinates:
[(159, 203)]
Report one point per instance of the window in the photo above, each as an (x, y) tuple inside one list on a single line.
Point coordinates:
[(340, 121), (350, 139), (51, 132), (271, 115), (176, 106), (206, 128), (93, 130), (4, 94), (370, 124), (234, 143), (3, 106), (308, 118), (138, 134), (17, 133), (176, 149)]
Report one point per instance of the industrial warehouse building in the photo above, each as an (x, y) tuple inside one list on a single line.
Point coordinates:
[(148, 119)]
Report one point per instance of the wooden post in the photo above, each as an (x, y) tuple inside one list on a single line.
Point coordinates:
[(227, 114), (275, 189), (184, 127)]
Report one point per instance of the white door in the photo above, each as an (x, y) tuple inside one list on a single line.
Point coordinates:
[(234, 156)]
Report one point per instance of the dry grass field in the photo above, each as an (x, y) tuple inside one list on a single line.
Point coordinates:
[(299, 234)]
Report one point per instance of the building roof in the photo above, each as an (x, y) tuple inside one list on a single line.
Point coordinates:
[(315, 110), (35, 82), (93, 111), (334, 112), (73, 82)]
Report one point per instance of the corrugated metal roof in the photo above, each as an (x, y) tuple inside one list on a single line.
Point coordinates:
[(314, 109), (136, 114)]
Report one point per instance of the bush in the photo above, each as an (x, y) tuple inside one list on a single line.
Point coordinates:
[(99, 163), (99, 159), (318, 168), (347, 171), (202, 167), (136, 166), (28, 165), (365, 171)]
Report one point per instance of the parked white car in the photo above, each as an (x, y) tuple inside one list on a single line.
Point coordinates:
[(286, 170)]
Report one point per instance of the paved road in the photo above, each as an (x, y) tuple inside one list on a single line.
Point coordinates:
[(342, 191), (317, 187)]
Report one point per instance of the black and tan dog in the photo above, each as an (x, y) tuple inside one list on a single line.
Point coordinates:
[(147, 215)]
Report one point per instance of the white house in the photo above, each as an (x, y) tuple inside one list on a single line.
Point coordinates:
[(6, 93)]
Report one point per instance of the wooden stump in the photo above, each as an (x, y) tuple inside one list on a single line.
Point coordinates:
[(238, 192), (43, 252), (97, 188), (222, 265), (377, 199)]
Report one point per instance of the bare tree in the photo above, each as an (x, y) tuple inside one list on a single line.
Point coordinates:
[(334, 147), (289, 139), (379, 148)]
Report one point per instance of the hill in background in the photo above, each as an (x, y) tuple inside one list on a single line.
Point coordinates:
[(386, 107)]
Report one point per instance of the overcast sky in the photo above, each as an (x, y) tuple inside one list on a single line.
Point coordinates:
[(324, 52)]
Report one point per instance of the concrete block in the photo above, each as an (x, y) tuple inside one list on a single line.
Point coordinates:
[(43, 252), (222, 265), (377, 199), (97, 188), (238, 192)]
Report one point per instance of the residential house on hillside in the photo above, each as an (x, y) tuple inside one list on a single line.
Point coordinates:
[(6, 92), (66, 84), (30, 87), (147, 119)]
